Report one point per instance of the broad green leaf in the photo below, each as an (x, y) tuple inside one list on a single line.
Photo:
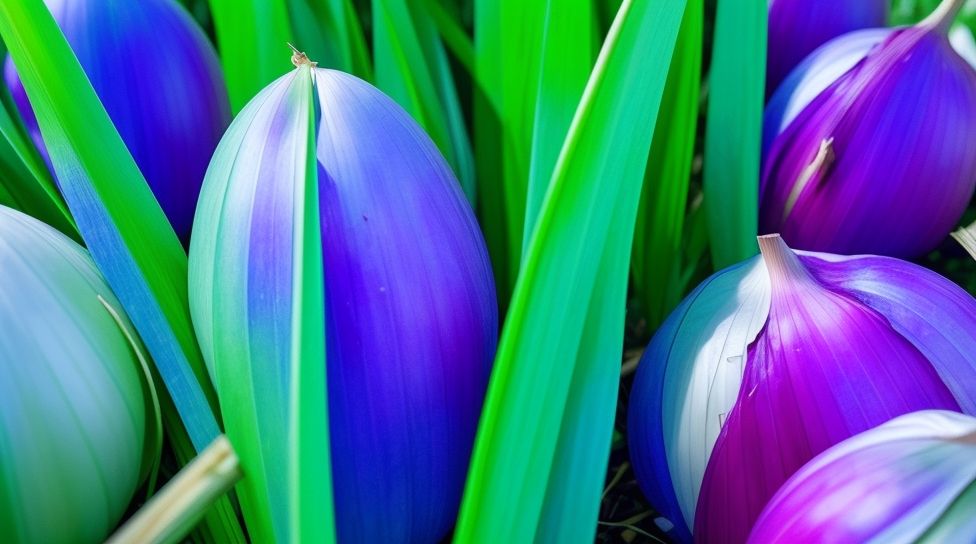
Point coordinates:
[(578, 472), (567, 57), (657, 259), (508, 46), (734, 129), (26, 184), (117, 215), (251, 38), (330, 33), (543, 430), (412, 67), (310, 465)]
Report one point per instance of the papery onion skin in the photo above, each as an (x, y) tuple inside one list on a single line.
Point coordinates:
[(411, 317), (797, 27), (691, 374), (912, 478), (159, 79), (73, 418), (902, 169)]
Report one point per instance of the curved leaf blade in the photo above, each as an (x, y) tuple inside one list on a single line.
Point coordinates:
[(658, 238), (733, 133), (330, 33), (567, 59), (551, 343), (251, 36), (27, 185)]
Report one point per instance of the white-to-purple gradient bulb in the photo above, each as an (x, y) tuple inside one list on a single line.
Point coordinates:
[(912, 479), (772, 361)]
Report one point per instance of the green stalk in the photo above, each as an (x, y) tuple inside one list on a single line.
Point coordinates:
[(543, 429), (734, 129), (26, 184), (659, 236), (412, 67), (330, 32), (567, 58), (508, 45), (251, 35)]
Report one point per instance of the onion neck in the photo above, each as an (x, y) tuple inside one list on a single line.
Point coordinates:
[(941, 19), (784, 266)]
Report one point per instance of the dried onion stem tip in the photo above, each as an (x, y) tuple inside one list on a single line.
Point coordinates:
[(299, 58)]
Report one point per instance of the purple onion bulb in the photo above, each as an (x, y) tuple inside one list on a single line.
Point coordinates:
[(912, 479), (772, 361), (158, 77), (899, 166), (797, 27)]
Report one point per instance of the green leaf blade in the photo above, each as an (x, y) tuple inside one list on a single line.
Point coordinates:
[(27, 185), (566, 61), (310, 462), (508, 46), (330, 33), (542, 344), (251, 37), (734, 130), (658, 238)]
